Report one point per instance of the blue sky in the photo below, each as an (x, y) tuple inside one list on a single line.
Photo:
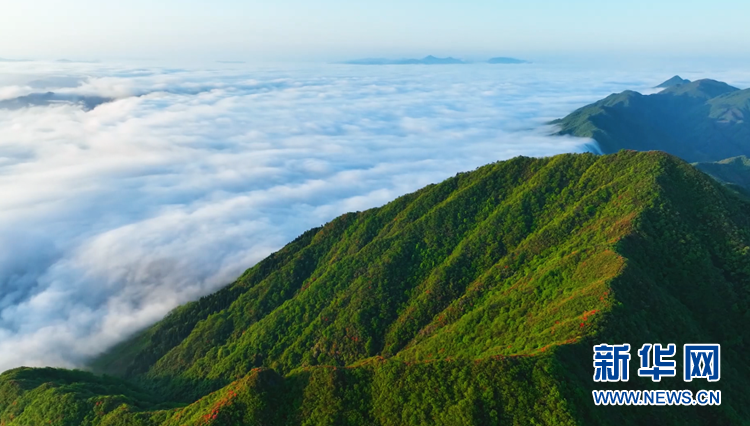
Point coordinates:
[(337, 29)]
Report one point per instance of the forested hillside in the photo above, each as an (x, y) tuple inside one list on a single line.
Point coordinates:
[(472, 302)]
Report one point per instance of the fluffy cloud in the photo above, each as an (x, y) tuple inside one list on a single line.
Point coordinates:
[(111, 217)]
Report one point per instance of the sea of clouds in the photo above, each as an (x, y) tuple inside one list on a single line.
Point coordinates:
[(111, 217)]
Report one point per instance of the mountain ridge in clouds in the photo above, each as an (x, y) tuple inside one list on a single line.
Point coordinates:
[(481, 294), (427, 60), (701, 121), (506, 60), (51, 98)]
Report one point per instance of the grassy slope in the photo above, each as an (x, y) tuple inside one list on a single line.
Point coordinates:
[(475, 301), (702, 121)]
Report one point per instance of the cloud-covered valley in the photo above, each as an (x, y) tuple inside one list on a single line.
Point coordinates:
[(112, 216)]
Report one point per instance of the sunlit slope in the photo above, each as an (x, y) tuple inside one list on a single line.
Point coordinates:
[(475, 301), (508, 259)]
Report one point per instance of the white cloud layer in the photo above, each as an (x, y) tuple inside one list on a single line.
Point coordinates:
[(111, 217)]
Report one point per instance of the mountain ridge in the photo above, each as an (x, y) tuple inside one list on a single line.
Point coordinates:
[(506, 60), (473, 301), (427, 60), (701, 121)]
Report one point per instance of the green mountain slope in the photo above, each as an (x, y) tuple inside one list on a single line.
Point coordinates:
[(732, 171), (475, 301), (702, 121)]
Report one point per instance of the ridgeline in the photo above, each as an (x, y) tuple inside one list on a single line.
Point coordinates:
[(472, 302)]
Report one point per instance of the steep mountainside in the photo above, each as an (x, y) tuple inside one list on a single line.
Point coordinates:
[(475, 301), (702, 121)]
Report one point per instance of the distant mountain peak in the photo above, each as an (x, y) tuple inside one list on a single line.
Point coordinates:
[(739, 160), (705, 88), (506, 60), (427, 60), (674, 81)]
